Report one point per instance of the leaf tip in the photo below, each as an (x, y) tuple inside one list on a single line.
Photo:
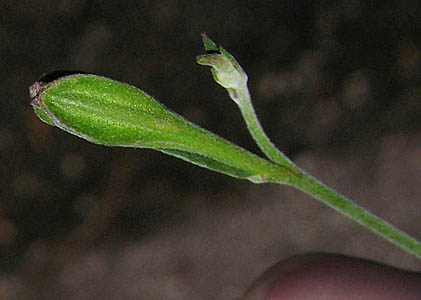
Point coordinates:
[(209, 45)]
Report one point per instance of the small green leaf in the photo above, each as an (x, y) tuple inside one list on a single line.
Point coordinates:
[(209, 45)]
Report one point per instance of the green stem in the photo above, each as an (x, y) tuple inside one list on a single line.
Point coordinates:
[(318, 190), (256, 130), (315, 188)]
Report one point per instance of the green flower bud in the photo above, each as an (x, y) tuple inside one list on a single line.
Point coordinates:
[(107, 112), (226, 71), (104, 111)]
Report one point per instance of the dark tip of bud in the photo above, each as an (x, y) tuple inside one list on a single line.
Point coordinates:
[(36, 88), (54, 75)]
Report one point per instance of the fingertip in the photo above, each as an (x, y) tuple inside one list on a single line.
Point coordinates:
[(331, 276)]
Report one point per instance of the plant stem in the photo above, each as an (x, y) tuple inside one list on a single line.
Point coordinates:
[(256, 130), (328, 196), (315, 188)]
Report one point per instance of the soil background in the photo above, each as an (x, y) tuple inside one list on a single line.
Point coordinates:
[(336, 85)]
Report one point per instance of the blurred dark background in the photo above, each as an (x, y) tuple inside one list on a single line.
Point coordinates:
[(336, 84)]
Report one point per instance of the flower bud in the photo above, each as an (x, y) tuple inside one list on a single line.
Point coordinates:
[(225, 72), (225, 69), (108, 112), (103, 111)]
